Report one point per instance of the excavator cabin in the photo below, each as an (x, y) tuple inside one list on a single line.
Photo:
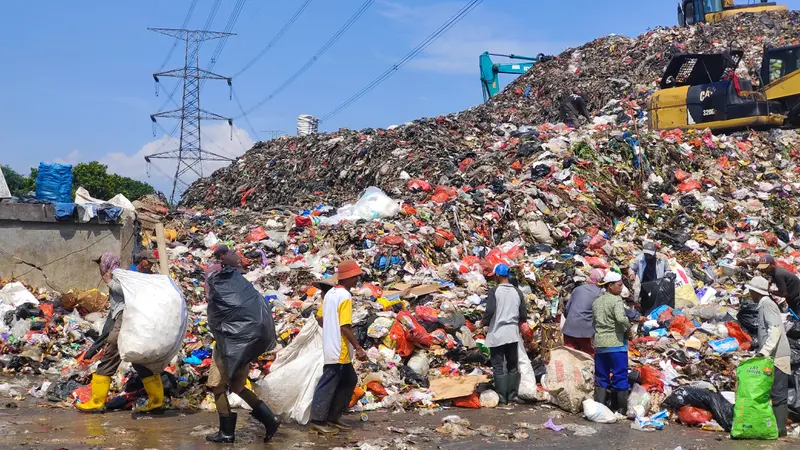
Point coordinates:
[(702, 91)]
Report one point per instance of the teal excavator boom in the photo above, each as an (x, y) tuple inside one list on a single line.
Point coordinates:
[(490, 70)]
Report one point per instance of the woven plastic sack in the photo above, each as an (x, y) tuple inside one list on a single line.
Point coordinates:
[(570, 378), (154, 321), (289, 388), (752, 412)]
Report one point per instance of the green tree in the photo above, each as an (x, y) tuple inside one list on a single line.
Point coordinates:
[(19, 185), (94, 177)]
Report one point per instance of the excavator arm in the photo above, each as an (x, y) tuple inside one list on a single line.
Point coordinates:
[(490, 70)]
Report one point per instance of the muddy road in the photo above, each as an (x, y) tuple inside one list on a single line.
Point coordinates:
[(41, 427)]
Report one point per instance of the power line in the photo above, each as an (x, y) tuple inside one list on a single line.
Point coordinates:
[(237, 11), (352, 20), (439, 32), (275, 38), (246, 119), (212, 14), (175, 44)]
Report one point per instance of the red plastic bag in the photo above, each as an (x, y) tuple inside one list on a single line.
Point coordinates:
[(438, 336), (689, 415), (47, 309), (414, 331), (682, 325), (650, 379), (440, 197), (426, 314), (464, 165), (418, 185), (402, 345), (472, 401), (246, 194), (597, 242), (735, 331), (597, 262), (682, 175), (256, 235), (526, 332), (377, 390), (302, 221), (666, 317), (690, 185), (83, 393), (392, 240)]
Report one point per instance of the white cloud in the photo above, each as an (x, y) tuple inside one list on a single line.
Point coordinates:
[(216, 138), (457, 51), (74, 157)]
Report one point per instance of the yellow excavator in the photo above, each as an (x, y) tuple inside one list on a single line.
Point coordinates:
[(702, 91), (691, 12)]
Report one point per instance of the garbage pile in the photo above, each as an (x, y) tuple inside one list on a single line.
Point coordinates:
[(615, 74), (428, 208)]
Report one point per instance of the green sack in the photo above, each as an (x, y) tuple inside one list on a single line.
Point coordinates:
[(752, 413)]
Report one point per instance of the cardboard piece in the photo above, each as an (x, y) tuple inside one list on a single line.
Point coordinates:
[(405, 290), (451, 387)]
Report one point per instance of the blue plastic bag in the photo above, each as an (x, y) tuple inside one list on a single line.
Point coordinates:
[(54, 183), (722, 346)]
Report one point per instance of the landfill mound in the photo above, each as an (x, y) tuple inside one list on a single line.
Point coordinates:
[(617, 68), (616, 74)]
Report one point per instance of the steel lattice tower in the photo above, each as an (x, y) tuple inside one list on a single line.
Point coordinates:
[(190, 154)]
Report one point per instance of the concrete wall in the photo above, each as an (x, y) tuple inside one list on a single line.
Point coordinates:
[(36, 248)]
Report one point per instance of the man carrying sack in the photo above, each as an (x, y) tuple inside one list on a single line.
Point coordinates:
[(242, 325)]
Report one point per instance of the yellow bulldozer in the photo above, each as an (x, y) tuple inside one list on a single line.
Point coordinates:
[(702, 91)]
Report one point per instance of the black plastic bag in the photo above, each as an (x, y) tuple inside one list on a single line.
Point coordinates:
[(452, 321), (794, 345), (748, 317), (360, 331), (413, 378), (239, 319), (656, 293), (793, 332), (721, 409)]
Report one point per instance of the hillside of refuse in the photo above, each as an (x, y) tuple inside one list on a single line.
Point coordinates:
[(616, 74)]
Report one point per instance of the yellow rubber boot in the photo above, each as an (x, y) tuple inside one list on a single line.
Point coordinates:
[(97, 403), (155, 395)]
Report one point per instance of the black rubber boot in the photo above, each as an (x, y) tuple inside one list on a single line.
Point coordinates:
[(513, 386), (227, 430), (621, 405), (600, 395), (501, 387), (271, 422), (781, 415)]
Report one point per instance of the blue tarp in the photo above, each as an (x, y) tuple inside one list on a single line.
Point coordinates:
[(54, 183)]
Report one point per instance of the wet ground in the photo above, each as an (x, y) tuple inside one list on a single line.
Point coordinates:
[(38, 427)]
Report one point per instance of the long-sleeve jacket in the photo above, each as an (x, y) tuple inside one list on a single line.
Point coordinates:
[(772, 336), (578, 311), (505, 311), (610, 322)]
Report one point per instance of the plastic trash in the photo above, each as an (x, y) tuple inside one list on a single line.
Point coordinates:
[(598, 412), (54, 183), (752, 414), (722, 346), (289, 387), (489, 399), (638, 397), (154, 322), (16, 294)]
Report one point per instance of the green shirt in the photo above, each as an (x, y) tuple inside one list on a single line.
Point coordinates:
[(610, 322)]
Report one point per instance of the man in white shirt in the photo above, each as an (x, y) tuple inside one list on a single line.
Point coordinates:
[(339, 379)]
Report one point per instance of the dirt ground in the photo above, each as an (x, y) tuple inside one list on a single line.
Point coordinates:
[(40, 427)]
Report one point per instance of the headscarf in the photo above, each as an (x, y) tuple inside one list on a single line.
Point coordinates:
[(108, 262), (596, 276)]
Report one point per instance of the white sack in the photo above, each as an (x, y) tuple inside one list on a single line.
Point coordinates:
[(154, 321)]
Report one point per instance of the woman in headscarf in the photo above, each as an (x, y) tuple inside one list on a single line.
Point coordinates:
[(110, 361), (579, 326), (611, 344)]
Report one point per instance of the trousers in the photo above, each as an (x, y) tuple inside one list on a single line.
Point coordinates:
[(333, 393), (582, 344), (780, 388), (611, 370), (504, 358), (110, 361)]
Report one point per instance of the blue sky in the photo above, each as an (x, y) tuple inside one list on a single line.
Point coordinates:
[(77, 84)]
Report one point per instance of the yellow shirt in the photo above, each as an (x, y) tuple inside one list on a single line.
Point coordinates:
[(336, 310)]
